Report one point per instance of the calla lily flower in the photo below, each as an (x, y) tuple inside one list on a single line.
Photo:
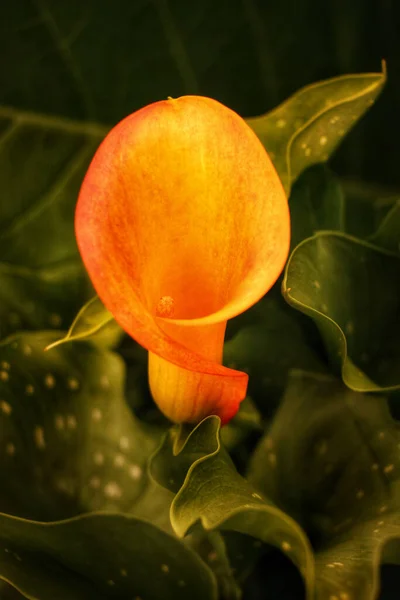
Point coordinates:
[(182, 223)]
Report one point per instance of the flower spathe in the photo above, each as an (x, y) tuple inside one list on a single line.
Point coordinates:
[(182, 223)]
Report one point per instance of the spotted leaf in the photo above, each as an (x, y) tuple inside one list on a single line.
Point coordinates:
[(211, 491), (93, 322), (307, 128), (337, 474), (99, 556), (351, 289), (67, 434)]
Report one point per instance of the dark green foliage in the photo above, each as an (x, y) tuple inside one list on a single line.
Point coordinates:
[(305, 479)]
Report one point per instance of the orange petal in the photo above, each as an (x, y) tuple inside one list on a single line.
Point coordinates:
[(182, 223)]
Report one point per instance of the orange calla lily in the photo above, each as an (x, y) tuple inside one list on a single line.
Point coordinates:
[(182, 224)]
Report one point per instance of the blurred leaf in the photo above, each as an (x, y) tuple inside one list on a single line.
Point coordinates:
[(213, 493), (42, 165), (39, 199), (268, 347), (93, 321), (100, 56), (40, 298), (7, 592), (245, 422), (388, 234), (212, 549), (99, 62), (351, 289), (307, 128), (67, 434), (336, 471), (366, 206), (316, 202), (99, 556)]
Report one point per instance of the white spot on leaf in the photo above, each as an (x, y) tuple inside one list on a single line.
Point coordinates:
[(5, 407), (124, 443), (112, 490), (38, 435), (95, 482), (10, 449), (119, 460), (59, 422), (98, 458), (49, 381), (73, 384), (96, 415), (71, 421), (104, 382), (135, 472)]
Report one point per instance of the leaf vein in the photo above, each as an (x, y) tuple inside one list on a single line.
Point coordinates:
[(65, 52), (42, 203)]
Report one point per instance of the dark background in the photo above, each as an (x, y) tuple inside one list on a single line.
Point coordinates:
[(99, 60)]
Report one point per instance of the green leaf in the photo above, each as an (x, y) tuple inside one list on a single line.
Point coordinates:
[(388, 234), (273, 342), (66, 432), (99, 556), (43, 162), (316, 203), (337, 474), (366, 206), (93, 322), (40, 298), (212, 549), (351, 289), (307, 128), (40, 198), (245, 422), (212, 493)]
